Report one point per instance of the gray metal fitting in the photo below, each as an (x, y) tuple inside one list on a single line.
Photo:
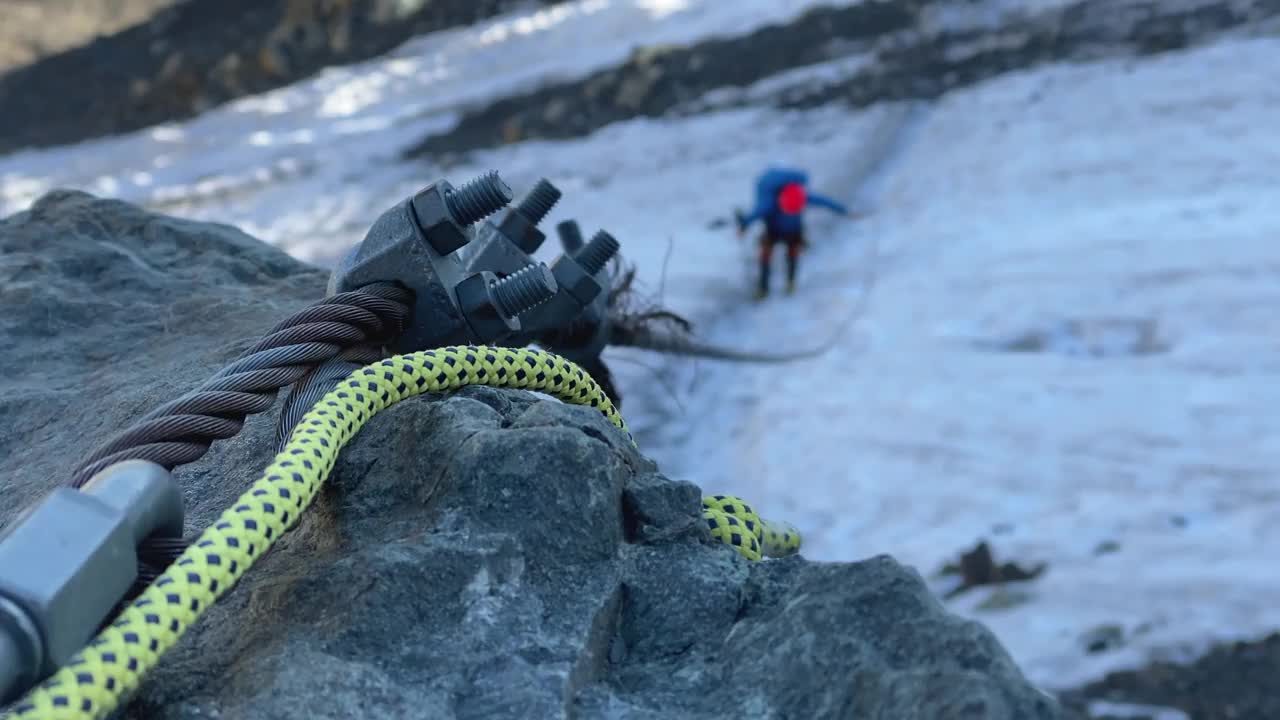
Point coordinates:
[(422, 245), (520, 224), (21, 652), (570, 236), (580, 284), (597, 253), (416, 243), (478, 198), (494, 306), (492, 251), (582, 339), (69, 561), (509, 244), (576, 324), (443, 212), (582, 279), (538, 203)]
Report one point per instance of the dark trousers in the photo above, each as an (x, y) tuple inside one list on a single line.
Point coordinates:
[(794, 243)]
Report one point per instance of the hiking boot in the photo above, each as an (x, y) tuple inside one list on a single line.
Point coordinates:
[(791, 286), (761, 293)]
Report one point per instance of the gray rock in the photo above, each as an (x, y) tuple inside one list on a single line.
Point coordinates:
[(489, 554)]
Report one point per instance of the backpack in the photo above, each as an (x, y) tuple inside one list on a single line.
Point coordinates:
[(792, 198)]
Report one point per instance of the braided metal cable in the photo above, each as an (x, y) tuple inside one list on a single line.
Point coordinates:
[(342, 327), (317, 383), (182, 430), (155, 554)]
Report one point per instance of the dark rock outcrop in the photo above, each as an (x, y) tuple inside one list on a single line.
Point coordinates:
[(1232, 682), (487, 554), (910, 50), (198, 54)]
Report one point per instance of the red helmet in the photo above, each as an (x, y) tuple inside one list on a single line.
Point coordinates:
[(792, 199)]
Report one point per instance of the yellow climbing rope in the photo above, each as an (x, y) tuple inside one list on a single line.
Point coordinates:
[(96, 680), (727, 516)]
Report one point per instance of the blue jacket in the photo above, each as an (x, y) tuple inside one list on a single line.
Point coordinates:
[(775, 221)]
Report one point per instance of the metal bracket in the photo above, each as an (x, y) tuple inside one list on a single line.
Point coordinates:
[(476, 282), (421, 243), (480, 284), (68, 562)]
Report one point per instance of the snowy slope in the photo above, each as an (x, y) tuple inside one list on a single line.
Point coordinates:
[(1114, 191), (309, 166), (1126, 191)]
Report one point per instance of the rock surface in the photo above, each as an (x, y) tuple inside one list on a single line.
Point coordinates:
[(1232, 682), (489, 554)]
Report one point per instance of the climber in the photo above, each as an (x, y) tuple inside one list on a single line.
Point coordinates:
[(781, 198)]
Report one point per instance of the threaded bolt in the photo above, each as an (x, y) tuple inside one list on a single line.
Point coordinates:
[(539, 201), (570, 236), (598, 251), (524, 289), (478, 199)]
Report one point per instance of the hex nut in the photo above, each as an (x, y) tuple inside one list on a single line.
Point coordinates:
[(571, 276), (481, 311), (521, 231), (438, 226)]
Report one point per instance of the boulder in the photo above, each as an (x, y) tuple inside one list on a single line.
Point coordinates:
[(489, 553)]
